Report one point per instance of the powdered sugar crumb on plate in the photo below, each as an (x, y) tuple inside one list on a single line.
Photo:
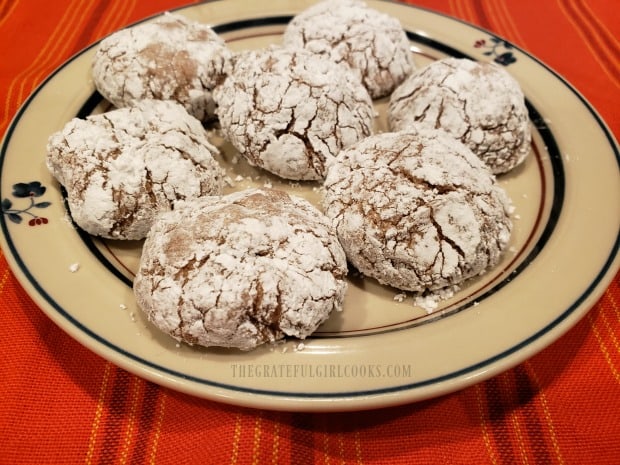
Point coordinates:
[(430, 301)]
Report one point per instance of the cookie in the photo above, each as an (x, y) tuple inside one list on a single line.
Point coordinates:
[(348, 31), (171, 58), (417, 211), (240, 270), (480, 104), (122, 167), (290, 111)]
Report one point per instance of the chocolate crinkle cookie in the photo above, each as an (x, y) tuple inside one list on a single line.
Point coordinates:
[(417, 211), (122, 167), (171, 58), (241, 270), (290, 111), (480, 104), (348, 31)]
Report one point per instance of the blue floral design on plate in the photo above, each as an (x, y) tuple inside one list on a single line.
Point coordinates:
[(21, 190), (497, 48)]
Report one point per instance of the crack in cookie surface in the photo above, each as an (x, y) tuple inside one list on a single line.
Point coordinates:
[(478, 103), (289, 112), (349, 32), (170, 58), (252, 267), (123, 167), (408, 209)]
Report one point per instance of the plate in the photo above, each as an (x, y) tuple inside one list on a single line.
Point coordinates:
[(382, 349)]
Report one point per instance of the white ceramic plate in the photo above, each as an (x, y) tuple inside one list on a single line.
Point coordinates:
[(378, 351)]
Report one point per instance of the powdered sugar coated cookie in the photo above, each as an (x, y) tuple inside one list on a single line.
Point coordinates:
[(289, 111), (171, 58), (417, 211), (123, 167), (241, 270), (478, 103), (348, 31)]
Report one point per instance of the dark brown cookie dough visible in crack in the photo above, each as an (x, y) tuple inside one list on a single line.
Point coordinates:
[(172, 58), (241, 270), (348, 31), (289, 111), (480, 104), (122, 167), (417, 211)]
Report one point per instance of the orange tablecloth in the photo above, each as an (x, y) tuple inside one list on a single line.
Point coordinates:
[(60, 403)]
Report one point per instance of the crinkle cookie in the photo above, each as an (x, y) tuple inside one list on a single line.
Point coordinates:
[(289, 111), (241, 270), (417, 211), (122, 167), (348, 31), (478, 103), (171, 58)]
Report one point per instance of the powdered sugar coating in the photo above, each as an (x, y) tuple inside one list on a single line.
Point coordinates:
[(289, 111), (241, 270), (171, 58), (122, 167), (348, 31), (478, 103), (417, 211)]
